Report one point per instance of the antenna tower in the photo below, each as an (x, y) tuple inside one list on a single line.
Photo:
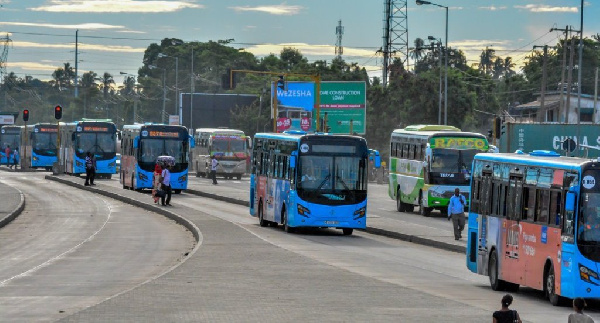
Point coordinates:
[(339, 31), (4, 56), (395, 34)]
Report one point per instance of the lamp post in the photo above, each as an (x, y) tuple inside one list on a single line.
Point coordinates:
[(162, 115), (439, 45), (161, 55), (422, 2)]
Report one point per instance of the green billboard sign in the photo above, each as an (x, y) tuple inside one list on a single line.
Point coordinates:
[(345, 106)]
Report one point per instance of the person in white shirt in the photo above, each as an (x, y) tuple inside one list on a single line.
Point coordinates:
[(213, 169), (166, 185)]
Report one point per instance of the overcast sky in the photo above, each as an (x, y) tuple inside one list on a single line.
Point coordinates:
[(113, 34)]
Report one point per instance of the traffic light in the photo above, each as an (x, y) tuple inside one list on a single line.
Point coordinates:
[(281, 82), (25, 115), (57, 112), (497, 126), (228, 80)]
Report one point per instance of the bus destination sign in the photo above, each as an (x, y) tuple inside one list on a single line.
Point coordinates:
[(459, 143), (43, 129), (95, 129), (168, 134)]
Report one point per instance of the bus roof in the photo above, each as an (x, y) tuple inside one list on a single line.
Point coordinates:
[(428, 134), (535, 158), (221, 130), (298, 136), (430, 127)]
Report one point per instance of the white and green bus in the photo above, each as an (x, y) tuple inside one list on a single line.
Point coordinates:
[(427, 162)]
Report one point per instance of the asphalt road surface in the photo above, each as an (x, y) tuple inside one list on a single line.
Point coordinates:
[(71, 249)]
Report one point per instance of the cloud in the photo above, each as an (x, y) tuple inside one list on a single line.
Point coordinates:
[(152, 6), (281, 9), (78, 26), (546, 8), (82, 46), (493, 8), (32, 66), (306, 50)]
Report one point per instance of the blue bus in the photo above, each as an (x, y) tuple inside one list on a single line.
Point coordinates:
[(10, 135), (141, 144), (309, 180), (534, 221), (40, 146), (96, 136)]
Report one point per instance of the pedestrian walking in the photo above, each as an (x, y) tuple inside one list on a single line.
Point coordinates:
[(7, 153), (16, 158), (166, 184), (90, 169), (213, 169), (506, 315), (579, 316), (456, 213), (156, 182)]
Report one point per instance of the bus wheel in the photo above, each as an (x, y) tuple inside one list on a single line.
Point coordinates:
[(132, 187), (550, 288), (497, 284), (347, 231), (177, 191), (286, 227), (109, 176), (399, 204), (408, 207), (261, 220), (239, 177), (423, 210)]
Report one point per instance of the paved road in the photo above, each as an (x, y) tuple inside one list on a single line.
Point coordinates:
[(243, 272), (70, 249)]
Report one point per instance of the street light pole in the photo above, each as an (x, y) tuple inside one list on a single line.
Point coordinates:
[(160, 55), (422, 2), (162, 116)]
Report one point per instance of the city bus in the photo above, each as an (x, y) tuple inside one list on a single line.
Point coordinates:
[(533, 221), (40, 142), (309, 180), (229, 146), (80, 137), (428, 162), (10, 135), (141, 144)]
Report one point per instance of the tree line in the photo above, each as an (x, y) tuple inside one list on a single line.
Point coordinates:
[(476, 92)]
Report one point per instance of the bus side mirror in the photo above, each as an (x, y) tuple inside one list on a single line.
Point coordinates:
[(292, 161), (192, 142), (570, 201), (136, 142)]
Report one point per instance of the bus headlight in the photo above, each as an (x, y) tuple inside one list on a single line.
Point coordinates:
[(434, 193), (78, 164), (587, 274), (142, 177), (360, 213), (35, 158), (303, 210), (182, 178)]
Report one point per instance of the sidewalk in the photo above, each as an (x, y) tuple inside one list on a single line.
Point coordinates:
[(398, 229), (13, 202)]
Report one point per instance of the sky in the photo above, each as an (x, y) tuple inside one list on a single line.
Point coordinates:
[(113, 34)]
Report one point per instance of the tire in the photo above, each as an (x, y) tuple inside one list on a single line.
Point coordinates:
[(239, 177), (495, 283), (347, 231), (109, 176), (550, 288), (177, 191), (263, 223), (286, 227), (409, 207), (273, 224), (423, 210), (132, 187), (400, 206)]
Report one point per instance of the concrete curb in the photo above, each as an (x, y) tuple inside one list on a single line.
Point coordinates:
[(148, 207), (372, 230), (16, 212)]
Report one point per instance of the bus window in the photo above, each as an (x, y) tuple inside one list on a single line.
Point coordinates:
[(555, 208), (568, 225), (544, 200), (531, 193)]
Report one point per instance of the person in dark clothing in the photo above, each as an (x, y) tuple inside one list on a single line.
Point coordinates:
[(506, 315), (90, 169), (166, 185)]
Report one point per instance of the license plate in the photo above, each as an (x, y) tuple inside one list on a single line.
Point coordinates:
[(331, 222)]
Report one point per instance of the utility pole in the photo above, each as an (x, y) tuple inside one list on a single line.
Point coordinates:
[(569, 79), (76, 62), (567, 31), (193, 78), (595, 96), (164, 98), (544, 74)]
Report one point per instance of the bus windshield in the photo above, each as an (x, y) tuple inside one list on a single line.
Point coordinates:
[(10, 139), (44, 143), (152, 148), (452, 166), (332, 179), (96, 143), (588, 231), (238, 146)]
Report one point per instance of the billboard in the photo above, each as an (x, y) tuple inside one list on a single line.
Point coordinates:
[(210, 110), (548, 136), (344, 104)]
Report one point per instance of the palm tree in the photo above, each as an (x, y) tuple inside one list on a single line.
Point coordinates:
[(486, 60), (107, 79), (508, 67), (419, 51)]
